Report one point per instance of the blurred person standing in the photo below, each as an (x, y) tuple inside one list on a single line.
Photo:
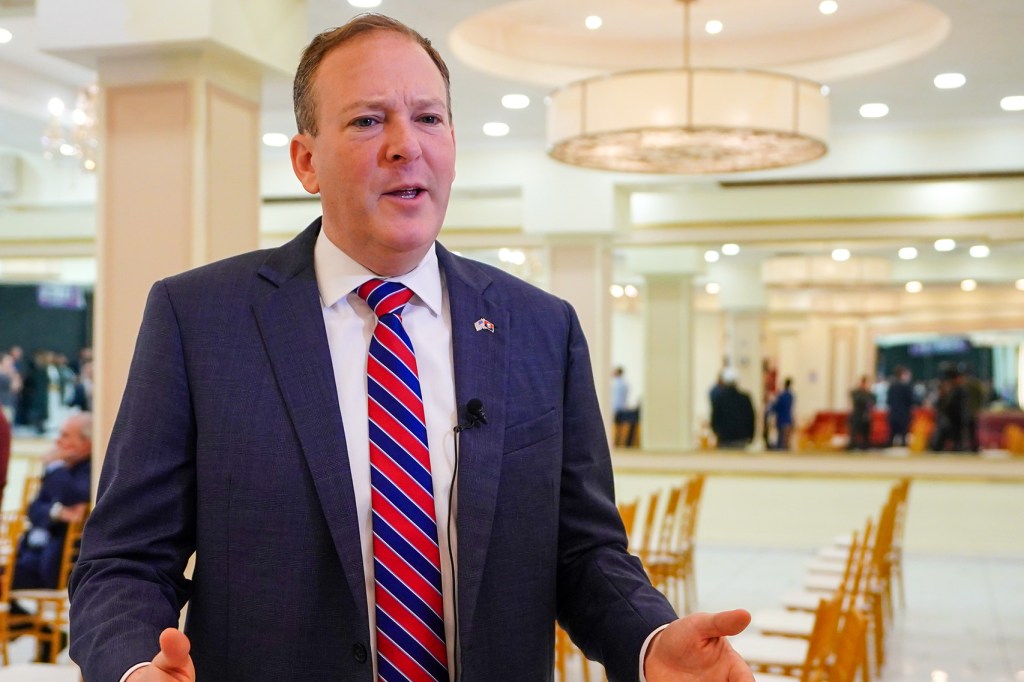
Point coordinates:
[(782, 409), (5, 451), (950, 412), (81, 390), (732, 414), (10, 386), (35, 392), (862, 402), (901, 406), (620, 395)]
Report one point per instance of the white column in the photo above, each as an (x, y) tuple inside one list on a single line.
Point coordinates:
[(179, 156), (580, 272), (667, 408)]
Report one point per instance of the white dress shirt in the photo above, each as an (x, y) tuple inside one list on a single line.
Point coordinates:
[(427, 320)]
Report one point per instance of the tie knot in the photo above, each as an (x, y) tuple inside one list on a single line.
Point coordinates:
[(384, 297)]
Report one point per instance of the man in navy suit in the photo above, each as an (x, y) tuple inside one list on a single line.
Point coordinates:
[(242, 435), (62, 498)]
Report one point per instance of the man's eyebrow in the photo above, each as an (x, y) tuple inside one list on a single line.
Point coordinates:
[(378, 104)]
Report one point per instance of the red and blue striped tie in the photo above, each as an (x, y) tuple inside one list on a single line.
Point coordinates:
[(406, 560)]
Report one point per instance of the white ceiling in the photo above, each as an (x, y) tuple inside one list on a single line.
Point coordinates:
[(896, 47), (983, 43)]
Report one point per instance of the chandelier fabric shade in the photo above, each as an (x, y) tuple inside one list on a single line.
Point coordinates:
[(688, 121)]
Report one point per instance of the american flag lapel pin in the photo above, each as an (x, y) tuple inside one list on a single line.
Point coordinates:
[(482, 324)]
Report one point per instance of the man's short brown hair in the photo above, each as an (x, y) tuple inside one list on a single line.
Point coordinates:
[(303, 92)]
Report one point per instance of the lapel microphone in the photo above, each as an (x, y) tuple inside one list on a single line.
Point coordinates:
[(475, 409)]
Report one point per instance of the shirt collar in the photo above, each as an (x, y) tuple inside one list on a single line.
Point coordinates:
[(338, 275)]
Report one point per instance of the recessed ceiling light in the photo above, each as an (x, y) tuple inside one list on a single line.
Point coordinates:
[(616, 290), (630, 291), (364, 3), (275, 139), (712, 288), (730, 249), (825, 90), (5, 36), (55, 106), (1019, 284), (1012, 103), (714, 27), (968, 285), (840, 255), (949, 81), (874, 110), (913, 287), (496, 129), (907, 253), (828, 7), (711, 256), (945, 244), (515, 101), (593, 22), (980, 251)]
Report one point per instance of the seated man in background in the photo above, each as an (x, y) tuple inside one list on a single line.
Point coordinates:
[(62, 498)]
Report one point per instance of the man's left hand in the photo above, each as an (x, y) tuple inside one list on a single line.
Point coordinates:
[(694, 648)]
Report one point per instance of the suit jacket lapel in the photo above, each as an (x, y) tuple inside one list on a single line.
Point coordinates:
[(480, 358), (291, 322)]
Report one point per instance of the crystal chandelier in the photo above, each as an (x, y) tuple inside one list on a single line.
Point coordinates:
[(688, 120), (79, 139)]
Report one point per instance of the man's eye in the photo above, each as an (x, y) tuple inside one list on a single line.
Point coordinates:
[(363, 122), (431, 119)]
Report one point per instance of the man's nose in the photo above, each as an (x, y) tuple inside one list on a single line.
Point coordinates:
[(402, 141)]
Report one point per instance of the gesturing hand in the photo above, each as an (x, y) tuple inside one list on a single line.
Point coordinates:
[(172, 664), (694, 648)]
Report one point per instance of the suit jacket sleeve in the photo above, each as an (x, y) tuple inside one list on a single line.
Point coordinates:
[(129, 585), (606, 602)]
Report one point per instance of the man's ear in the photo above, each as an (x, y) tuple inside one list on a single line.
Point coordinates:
[(301, 151)]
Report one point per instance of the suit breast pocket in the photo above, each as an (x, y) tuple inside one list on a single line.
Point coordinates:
[(525, 434)]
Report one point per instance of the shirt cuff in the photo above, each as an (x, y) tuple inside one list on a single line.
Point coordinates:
[(643, 651), (143, 665)]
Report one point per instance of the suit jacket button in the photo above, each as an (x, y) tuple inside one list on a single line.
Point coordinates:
[(359, 653)]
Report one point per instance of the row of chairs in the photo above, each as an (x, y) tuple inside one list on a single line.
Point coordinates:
[(836, 624), (48, 617), (660, 529)]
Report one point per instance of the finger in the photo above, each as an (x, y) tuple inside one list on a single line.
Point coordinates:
[(174, 648), (728, 623)]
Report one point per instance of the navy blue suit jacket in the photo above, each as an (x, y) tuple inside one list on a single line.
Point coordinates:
[(229, 442)]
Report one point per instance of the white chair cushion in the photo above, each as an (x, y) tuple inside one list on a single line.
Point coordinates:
[(768, 650), (786, 623)]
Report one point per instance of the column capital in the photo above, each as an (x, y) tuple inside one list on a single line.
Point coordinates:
[(267, 33)]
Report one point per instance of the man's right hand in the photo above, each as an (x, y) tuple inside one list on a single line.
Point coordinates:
[(172, 664)]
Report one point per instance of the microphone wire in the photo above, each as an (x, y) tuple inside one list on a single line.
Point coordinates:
[(451, 556)]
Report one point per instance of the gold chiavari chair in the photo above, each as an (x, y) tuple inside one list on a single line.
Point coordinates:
[(12, 524), (50, 615), (793, 658)]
